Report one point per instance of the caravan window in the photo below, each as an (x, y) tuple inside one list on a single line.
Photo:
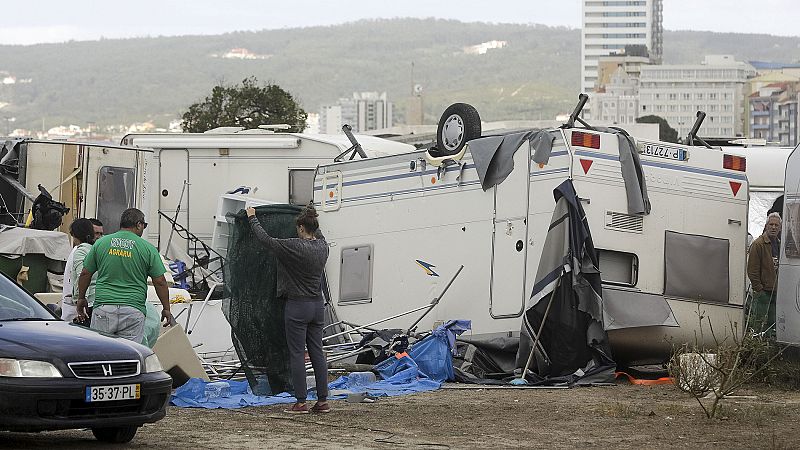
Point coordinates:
[(355, 282), (115, 194), (696, 267), (791, 223), (620, 268), (301, 186)]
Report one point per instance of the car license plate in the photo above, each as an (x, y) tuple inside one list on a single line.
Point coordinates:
[(111, 393)]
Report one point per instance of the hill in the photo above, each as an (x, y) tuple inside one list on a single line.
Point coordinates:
[(534, 76)]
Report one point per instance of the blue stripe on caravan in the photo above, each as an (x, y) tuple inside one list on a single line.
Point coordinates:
[(545, 172), (399, 176), (661, 165), (406, 191)]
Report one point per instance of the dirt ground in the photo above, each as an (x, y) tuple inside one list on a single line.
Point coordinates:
[(621, 416)]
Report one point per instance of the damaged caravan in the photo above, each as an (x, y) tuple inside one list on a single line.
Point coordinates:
[(669, 224)]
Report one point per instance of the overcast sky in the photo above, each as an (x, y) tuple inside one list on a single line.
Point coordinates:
[(37, 21)]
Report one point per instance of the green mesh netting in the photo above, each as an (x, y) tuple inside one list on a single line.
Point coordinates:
[(251, 305)]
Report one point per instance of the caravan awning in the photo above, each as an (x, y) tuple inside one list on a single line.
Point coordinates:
[(631, 309)]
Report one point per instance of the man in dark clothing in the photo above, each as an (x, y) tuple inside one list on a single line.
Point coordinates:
[(762, 269), (301, 262)]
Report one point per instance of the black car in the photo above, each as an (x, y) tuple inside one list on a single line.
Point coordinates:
[(56, 375)]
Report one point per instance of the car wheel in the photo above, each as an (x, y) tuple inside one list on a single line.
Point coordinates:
[(459, 124), (115, 435)]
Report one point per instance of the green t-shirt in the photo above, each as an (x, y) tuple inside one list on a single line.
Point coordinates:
[(123, 261)]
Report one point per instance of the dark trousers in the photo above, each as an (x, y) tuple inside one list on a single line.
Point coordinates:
[(304, 321)]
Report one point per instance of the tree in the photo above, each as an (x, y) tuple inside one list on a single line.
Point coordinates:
[(665, 132), (247, 105)]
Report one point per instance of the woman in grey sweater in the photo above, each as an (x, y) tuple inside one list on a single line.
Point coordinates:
[(301, 262)]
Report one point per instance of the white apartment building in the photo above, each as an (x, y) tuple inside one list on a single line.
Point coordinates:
[(716, 87), (364, 111), (619, 101), (608, 26)]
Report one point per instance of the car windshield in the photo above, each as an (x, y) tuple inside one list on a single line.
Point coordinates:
[(16, 304)]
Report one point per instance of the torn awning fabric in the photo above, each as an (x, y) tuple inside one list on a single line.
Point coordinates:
[(493, 156), (573, 346)]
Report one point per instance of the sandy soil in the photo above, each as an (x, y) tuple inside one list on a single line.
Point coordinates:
[(621, 416)]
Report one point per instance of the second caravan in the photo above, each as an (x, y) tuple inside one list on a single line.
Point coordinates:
[(399, 226)]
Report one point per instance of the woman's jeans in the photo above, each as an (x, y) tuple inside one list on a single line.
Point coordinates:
[(304, 322)]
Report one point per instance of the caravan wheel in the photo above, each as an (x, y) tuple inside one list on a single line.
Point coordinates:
[(459, 124)]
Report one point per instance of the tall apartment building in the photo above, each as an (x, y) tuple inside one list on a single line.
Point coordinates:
[(677, 92), (364, 111), (774, 113), (608, 26)]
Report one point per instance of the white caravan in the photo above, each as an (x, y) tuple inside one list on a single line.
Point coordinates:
[(192, 170), (93, 180), (788, 297), (400, 226)]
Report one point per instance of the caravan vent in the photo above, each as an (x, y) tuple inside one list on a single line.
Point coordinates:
[(623, 222)]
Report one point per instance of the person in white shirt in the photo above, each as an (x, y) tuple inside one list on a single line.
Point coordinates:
[(83, 236)]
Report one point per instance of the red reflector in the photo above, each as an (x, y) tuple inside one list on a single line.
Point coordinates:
[(586, 164), (585, 139), (733, 162), (735, 187)]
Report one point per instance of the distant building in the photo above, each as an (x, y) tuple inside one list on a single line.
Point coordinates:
[(616, 96), (608, 26), (365, 111), (773, 113), (618, 103), (312, 124), (484, 47), (677, 92), (754, 85)]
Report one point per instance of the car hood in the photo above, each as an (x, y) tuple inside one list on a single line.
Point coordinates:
[(65, 342)]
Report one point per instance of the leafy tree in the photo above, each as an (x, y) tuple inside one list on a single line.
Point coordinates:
[(247, 105), (665, 132)]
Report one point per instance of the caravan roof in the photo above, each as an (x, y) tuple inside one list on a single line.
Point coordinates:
[(765, 165)]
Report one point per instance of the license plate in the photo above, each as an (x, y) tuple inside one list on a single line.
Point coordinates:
[(111, 393)]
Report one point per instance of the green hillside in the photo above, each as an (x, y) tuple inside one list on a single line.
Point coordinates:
[(124, 81)]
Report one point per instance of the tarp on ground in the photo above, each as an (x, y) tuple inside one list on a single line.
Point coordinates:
[(404, 382), (573, 346), (431, 356)]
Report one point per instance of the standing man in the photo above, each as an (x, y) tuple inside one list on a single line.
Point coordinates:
[(762, 269), (123, 261), (98, 228)]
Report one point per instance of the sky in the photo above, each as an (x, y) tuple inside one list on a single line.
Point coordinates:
[(47, 21)]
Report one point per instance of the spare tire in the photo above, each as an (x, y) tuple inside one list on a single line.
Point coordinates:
[(459, 124)]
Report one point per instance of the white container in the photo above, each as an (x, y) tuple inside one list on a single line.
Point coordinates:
[(696, 373)]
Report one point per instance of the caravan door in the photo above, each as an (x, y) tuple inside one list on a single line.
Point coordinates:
[(173, 197), (510, 239), (111, 177)]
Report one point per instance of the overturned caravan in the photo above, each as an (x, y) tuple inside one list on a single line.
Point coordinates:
[(669, 224)]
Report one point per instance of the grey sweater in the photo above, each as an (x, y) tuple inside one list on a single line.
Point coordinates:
[(300, 263)]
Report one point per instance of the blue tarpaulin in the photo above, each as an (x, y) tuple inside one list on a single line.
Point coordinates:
[(428, 363), (192, 394), (432, 356)]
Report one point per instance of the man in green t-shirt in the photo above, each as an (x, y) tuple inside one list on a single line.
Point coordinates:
[(123, 261)]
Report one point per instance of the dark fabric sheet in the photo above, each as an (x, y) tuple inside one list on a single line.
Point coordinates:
[(632, 172), (493, 156), (574, 344), (255, 313)]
